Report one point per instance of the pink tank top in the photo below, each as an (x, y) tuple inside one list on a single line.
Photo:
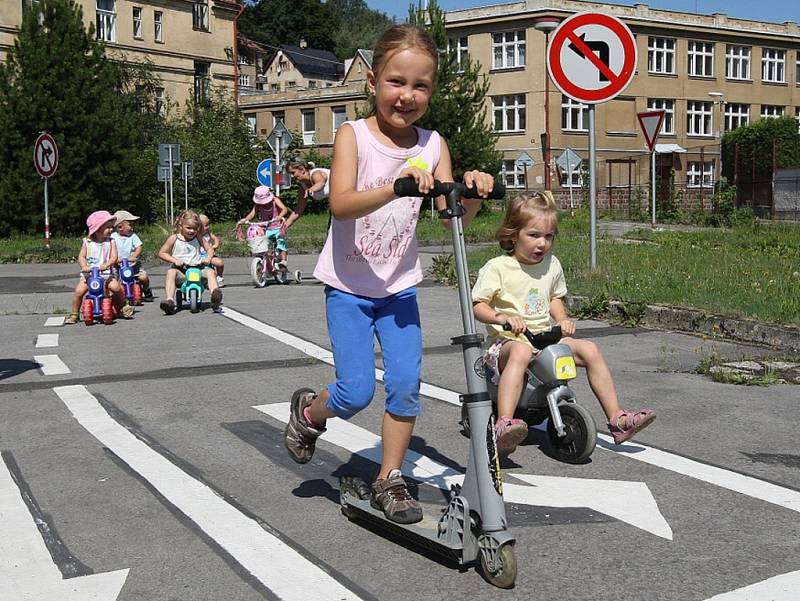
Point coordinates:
[(376, 255)]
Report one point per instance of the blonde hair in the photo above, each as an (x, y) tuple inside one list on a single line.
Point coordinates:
[(204, 220), (520, 211), (395, 39), (189, 216)]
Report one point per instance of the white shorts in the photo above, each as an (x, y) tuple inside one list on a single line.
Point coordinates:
[(491, 359)]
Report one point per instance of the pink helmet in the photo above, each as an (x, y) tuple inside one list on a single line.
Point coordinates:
[(262, 195)]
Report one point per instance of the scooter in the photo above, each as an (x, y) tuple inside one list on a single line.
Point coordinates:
[(571, 430), (473, 526), (191, 289), (132, 288), (96, 305)]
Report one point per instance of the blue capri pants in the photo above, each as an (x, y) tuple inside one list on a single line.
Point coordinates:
[(353, 324)]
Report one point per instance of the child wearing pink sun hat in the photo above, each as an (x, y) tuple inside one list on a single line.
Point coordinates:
[(272, 212), (98, 250)]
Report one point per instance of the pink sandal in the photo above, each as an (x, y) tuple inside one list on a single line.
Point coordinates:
[(634, 422), (510, 433)]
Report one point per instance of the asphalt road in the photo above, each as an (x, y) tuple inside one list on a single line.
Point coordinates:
[(146, 463)]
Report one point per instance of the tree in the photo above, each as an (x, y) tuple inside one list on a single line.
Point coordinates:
[(457, 108), (57, 78), (755, 147), (276, 22), (359, 26)]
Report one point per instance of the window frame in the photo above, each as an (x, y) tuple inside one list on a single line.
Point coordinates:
[(733, 113), (338, 110), (738, 57), (766, 112), (106, 22), (138, 23), (570, 116), (158, 26), (776, 63), (665, 55), (201, 81), (514, 179), (201, 18), (660, 104), (517, 45), (700, 59), (700, 112), (700, 174), (309, 135), (517, 110)]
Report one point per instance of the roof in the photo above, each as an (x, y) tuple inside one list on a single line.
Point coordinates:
[(313, 62)]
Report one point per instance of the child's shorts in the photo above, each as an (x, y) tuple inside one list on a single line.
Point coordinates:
[(491, 359), (280, 240)]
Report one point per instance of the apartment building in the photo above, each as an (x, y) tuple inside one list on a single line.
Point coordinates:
[(190, 43), (710, 73)]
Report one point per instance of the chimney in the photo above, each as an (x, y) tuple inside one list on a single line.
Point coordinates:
[(303, 43)]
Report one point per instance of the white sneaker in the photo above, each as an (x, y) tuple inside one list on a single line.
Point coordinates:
[(220, 281)]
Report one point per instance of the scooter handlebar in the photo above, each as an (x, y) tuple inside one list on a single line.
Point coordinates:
[(541, 340), (407, 186)]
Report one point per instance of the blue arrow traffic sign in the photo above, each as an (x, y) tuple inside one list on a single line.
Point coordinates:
[(264, 173)]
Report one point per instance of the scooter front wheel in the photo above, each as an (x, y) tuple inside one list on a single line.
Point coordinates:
[(580, 438), (194, 301), (257, 272), (504, 573)]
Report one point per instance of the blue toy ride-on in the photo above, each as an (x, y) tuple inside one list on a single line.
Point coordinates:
[(131, 287), (191, 289), (96, 305)]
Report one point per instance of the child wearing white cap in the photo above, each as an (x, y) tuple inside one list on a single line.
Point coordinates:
[(130, 246)]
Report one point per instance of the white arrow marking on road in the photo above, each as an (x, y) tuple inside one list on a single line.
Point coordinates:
[(51, 365), (54, 321), (779, 588), (629, 502), (46, 340), (27, 572), (746, 485), (278, 566)]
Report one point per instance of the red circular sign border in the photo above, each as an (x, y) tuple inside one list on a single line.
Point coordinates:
[(36, 145), (625, 36)]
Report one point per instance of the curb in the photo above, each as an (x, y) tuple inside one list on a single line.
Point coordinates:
[(694, 321)]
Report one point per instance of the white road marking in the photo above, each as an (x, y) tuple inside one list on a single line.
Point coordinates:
[(779, 588), (746, 485), (279, 567), (55, 321), (630, 502), (51, 365), (46, 340), (27, 571)]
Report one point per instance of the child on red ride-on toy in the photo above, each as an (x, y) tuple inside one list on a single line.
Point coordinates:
[(99, 250)]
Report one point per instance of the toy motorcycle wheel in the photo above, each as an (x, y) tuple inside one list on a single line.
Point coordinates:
[(87, 309), (298, 277), (194, 301), (107, 310), (178, 300), (136, 293), (580, 438), (257, 272)]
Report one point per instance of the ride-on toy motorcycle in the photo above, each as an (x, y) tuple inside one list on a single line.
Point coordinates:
[(131, 287), (96, 305), (571, 431), (473, 526), (191, 289)]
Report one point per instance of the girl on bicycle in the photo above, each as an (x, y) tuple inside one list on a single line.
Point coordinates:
[(369, 263), (269, 208)]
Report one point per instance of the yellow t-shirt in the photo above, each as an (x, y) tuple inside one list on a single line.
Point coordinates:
[(513, 288)]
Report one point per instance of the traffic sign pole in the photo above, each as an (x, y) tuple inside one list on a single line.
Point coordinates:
[(45, 159), (592, 191), (653, 185), (278, 138), (171, 190), (46, 217)]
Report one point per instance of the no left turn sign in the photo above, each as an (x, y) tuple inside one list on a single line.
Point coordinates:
[(592, 57), (45, 155)]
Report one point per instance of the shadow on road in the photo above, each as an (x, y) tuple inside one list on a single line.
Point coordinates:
[(14, 367)]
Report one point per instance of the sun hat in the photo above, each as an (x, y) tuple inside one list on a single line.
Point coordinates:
[(97, 220), (262, 195), (123, 215)]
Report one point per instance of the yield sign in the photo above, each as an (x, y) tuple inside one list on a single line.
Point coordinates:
[(592, 57), (45, 155), (651, 126)]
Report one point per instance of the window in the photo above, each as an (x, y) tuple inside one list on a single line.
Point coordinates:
[(138, 32), (576, 181), (309, 127), (508, 50), (797, 70), (244, 80), (106, 20), (737, 62), (158, 26), (771, 111), (661, 55), (668, 106), (275, 87), (201, 81), (160, 102), (574, 115), (200, 15), (278, 116), (312, 84), (736, 115), (291, 84), (773, 65), (513, 174), (339, 115), (461, 51), (701, 59), (250, 119), (699, 118), (700, 174), (509, 113)]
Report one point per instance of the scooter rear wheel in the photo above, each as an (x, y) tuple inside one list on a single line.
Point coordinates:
[(581, 434), (257, 272), (505, 573)]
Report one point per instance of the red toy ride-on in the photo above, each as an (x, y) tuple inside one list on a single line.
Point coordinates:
[(96, 304)]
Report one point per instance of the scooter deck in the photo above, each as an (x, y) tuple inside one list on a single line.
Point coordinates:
[(422, 534)]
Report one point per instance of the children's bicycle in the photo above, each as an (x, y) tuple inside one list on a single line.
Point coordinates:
[(266, 261)]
